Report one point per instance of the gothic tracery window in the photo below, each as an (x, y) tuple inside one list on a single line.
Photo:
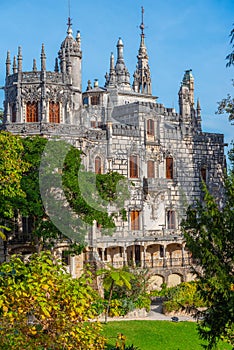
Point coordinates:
[(32, 112), (54, 112)]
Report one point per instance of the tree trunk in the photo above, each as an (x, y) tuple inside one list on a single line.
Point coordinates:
[(109, 301)]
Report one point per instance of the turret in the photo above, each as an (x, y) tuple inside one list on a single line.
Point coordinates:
[(122, 74), (19, 58), (142, 79), (186, 95), (70, 57), (8, 64), (111, 77)]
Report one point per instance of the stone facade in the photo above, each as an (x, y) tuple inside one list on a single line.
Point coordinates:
[(121, 127)]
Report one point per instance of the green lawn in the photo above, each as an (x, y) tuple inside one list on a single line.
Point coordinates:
[(155, 335)]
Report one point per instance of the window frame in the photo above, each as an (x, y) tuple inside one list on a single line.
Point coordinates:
[(32, 115), (54, 112), (135, 220), (169, 168), (150, 127), (133, 166), (171, 219)]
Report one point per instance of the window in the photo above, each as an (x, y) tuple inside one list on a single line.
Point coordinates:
[(95, 100), (54, 112), (150, 127), (171, 220), (203, 173), (13, 110), (150, 169), (65, 257), (98, 165), (135, 220), (93, 124), (32, 112), (161, 251), (133, 165), (169, 168)]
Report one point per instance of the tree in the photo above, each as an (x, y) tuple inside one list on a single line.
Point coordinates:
[(43, 307), (111, 277), (51, 174), (209, 233), (12, 168)]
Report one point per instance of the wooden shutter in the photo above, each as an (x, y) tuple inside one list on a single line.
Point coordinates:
[(135, 220), (133, 164), (98, 165), (169, 168), (32, 112)]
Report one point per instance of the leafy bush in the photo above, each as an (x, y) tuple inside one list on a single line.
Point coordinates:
[(184, 296)]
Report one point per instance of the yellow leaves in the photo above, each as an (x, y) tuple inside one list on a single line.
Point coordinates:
[(5, 308)]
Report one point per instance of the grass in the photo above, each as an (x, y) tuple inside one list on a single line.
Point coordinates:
[(157, 335)]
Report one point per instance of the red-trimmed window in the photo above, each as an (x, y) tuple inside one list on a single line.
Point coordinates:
[(32, 112)]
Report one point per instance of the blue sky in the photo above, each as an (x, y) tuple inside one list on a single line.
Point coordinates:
[(180, 35)]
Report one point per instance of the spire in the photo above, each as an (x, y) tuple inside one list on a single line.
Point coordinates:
[(8, 63), (121, 71), (14, 65), (19, 57), (34, 65), (111, 77), (56, 67), (43, 58), (142, 79)]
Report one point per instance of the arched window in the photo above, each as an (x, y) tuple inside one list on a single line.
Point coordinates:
[(54, 112), (169, 168), (150, 169), (133, 166), (32, 112), (98, 165), (150, 127)]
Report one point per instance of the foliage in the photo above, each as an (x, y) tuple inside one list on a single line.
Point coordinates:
[(230, 57), (183, 297), (114, 277), (208, 230), (12, 167), (120, 344), (157, 335), (42, 307), (29, 171)]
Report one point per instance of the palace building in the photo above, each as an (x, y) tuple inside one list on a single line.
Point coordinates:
[(121, 127)]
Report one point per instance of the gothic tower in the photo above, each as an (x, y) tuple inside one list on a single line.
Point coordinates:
[(70, 56)]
